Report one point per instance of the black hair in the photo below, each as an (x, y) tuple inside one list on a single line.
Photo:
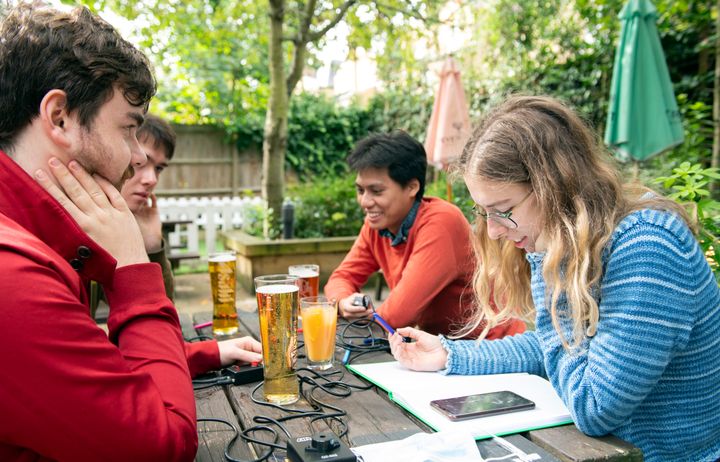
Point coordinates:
[(402, 155), (159, 132)]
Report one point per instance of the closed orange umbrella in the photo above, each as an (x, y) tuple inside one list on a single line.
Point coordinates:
[(449, 126)]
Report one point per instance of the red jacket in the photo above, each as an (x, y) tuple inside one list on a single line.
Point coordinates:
[(67, 392), (430, 275)]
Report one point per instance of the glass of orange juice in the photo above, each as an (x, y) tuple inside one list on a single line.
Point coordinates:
[(319, 316)]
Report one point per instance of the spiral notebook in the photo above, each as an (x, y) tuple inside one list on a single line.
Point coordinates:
[(414, 390)]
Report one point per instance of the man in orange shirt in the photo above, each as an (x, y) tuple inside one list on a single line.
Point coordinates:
[(422, 245)]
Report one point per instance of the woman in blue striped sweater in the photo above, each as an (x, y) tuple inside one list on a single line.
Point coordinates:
[(627, 310)]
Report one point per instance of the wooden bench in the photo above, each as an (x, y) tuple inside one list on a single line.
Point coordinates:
[(176, 257)]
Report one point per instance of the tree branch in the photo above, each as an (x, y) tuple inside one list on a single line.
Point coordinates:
[(305, 21), (412, 12), (315, 36), (301, 41)]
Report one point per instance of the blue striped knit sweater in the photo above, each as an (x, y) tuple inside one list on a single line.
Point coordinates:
[(651, 374)]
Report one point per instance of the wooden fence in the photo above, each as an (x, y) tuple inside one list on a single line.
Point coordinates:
[(206, 163)]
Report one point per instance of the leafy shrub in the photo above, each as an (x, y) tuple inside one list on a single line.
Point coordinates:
[(460, 195), (326, 207), (321, 134), (688, 186), (407, 110), (253, 220)]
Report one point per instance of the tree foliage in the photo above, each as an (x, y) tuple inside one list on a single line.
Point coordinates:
[(567, 49), (321, 134), (212, 60), (210, 56)]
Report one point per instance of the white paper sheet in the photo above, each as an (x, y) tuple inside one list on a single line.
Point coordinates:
[(414, 391)]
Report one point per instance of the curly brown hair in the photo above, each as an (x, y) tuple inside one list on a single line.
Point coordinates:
[(42, 49), (542, 143)]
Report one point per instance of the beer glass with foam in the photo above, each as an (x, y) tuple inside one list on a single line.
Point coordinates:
[(277, 300), (309, 279), (221, 266), (319, 321)]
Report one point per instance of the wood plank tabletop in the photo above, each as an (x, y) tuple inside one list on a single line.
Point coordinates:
[(370, 416)]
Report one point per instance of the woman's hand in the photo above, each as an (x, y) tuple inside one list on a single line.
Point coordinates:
[(425, 353), (244, 350), (98, 208)]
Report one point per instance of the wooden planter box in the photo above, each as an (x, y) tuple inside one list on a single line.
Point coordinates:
[(258, 257)]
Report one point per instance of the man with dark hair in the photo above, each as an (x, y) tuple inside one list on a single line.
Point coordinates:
[(421, 244), (72, 96), (157, 139)]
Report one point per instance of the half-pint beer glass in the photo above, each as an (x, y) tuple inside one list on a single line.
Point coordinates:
[(221, 266), (309, 279), (277, 300), (319, 321)]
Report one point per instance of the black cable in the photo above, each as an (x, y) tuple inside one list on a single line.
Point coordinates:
[(208, 383), (358, 343), (230, 443), (198, 338), (356, 337)]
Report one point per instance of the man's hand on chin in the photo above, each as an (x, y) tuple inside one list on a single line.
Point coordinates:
[(97, 207)]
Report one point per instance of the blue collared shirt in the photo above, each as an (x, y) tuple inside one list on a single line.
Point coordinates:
[(405, 226)]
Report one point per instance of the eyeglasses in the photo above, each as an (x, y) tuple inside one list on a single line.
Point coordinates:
[(501, 218)]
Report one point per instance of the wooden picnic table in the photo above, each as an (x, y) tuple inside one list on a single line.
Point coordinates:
[(180, 252), (371, 418)]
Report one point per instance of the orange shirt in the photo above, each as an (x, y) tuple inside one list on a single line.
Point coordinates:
[(429, 275)]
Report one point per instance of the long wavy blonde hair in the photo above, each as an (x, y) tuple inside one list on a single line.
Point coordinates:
[(540, 142)]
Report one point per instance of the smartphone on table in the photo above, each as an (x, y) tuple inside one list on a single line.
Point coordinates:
[(481, 405)]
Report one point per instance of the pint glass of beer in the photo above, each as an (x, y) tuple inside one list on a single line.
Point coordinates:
[(277, 300), (308, 279), (319, 321), (221, 266)]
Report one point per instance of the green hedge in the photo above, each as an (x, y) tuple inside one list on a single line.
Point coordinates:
[(326, 207)]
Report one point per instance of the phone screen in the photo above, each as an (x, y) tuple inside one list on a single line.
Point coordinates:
[(483, 404)]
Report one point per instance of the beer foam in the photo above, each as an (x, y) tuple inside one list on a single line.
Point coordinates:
[(221, 258), (277, 289), (304, 273)]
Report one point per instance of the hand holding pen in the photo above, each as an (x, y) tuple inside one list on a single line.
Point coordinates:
[(425, 353), (365, 301)]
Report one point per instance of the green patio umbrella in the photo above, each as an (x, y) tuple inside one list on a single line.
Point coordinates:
[(643, 117)]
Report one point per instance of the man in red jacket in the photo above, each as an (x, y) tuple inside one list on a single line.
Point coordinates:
[(72, 96), (157, 140), (422, 244)]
